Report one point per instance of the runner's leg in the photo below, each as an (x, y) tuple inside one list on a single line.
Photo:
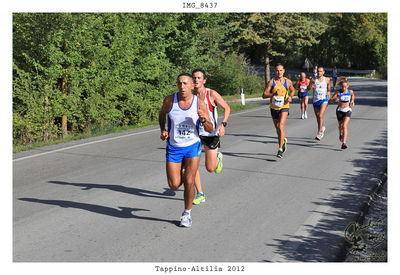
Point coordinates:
[(321, 115), (282, 121), (174, 174), (211, 158), (191, 168), (345, 122)]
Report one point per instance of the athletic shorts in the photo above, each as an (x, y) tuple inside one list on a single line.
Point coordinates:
[(177, 154), (334, 78), (319, 103), (303, 94), (212, 142), (276, 113), (341, 115)]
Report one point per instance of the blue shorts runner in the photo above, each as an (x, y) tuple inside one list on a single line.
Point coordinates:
[(319, 103), (302, 94), (177, 154)]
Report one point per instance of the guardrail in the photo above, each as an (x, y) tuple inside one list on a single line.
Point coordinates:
[(296, 73)]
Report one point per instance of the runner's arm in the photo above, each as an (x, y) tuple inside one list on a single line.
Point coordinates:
[(328, 83), (220, 102), (267, 92), (204, 117), (352, 98), (291, 88), (334, 98), (167, 105), (311, 84)]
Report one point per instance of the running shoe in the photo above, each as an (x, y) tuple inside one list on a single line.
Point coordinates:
[(280, 154), (344, 146), (323, 131), (186, 220), (319, 136), (305, 115), (284, 145), (199, 198), (220, 165), (302, 116)]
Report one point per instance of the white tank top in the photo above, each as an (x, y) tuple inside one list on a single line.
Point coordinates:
[(183, 124), (320, 90), (212, 113)]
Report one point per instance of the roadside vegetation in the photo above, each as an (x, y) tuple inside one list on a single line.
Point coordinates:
[(76, 75)]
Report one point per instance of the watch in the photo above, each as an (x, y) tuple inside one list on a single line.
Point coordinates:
[(224, 123)]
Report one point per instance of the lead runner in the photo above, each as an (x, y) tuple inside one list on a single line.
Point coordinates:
[(185, 112)]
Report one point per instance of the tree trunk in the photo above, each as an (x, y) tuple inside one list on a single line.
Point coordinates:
[(46, 111), (267, 67), (64, 117)]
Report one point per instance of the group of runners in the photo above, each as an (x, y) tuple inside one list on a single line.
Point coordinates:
[(192, 121)]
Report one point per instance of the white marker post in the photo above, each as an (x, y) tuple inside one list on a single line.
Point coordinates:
[(242, 96)]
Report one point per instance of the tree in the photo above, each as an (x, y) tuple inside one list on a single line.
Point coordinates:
[(274, 33)]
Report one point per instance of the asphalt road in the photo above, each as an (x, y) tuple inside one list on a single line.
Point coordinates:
[(106, 199)]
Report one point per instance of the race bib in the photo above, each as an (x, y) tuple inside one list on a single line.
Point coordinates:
[(319, 95), (278, 101), (184, 131), (303, 88), (345, 98)]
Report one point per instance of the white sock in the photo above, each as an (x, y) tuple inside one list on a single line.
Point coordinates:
[(186, 211)]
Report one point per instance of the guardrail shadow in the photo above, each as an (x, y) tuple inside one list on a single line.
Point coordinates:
[(325, 242)]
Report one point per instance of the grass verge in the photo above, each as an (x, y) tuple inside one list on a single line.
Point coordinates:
[(19, 148)]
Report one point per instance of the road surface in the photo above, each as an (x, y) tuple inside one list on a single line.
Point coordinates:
[(106, 199)]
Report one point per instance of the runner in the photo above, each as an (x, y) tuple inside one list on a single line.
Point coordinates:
[(334, 76), (185, 113), (277, 90), (315, 72), (322, 87), (345, 97), (303, 94), (211, 141)]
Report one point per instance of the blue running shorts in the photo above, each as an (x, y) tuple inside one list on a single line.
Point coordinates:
[(319, 103), (302, 95), (176, 154)]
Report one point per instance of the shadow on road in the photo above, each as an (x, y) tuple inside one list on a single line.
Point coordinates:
[(121, 212), (325, 241), (167, 194)]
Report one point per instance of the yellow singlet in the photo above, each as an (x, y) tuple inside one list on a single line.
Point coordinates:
[(279, 101)]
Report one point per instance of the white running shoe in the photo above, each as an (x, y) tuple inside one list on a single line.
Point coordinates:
[(323, 131), (302, 116), (305, 115), (186, 220)]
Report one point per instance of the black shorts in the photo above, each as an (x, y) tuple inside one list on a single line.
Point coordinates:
[(212, 142), (341, 115), (276, 113)]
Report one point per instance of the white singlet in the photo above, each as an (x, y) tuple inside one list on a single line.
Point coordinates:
[(212, 113), (183, 124), (320, 90)]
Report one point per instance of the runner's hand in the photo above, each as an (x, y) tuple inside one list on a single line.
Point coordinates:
[(164, 135), (201, 113), (221, 130)]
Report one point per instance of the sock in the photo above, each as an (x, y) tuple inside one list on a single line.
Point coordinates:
[(186, 211), (280, 149), (200, 193)]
